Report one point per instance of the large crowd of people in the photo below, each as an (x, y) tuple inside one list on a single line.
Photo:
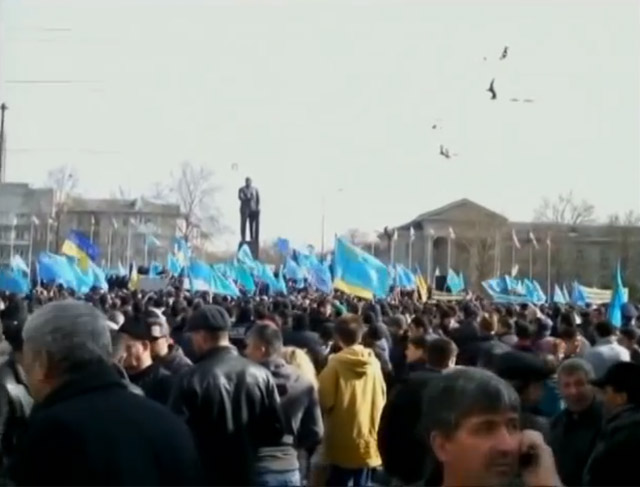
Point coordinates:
[(178, 388)]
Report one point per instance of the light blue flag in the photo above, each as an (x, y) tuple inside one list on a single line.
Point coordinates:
[(293, 271), (155, 269), (320, 278), (453, 282), (264, 274), (173, 264), (283, 245), (404, 278), (244, 277), (18, 264), (244, 255), (614, 313), (98, 277), (567, 298), (222, 285), (13, 281), (463, 285), (577, 294), (558, 297), (282, 285), (152, 241), (55, 269)]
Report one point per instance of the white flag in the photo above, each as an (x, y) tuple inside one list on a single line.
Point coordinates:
[(548, 240), (533, 240), (114, 223), (452, 235), (34, 220), (14, 221), (395, 235), (514, 237), (412, 234)]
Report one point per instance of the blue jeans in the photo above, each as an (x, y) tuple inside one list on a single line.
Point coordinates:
[(278, 478), (349, 477)]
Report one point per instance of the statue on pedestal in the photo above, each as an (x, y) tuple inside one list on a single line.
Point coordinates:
[(249, 212)]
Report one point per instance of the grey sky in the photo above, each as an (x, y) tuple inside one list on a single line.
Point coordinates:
[(308, 97)]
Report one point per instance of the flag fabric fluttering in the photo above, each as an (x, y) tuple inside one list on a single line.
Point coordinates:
[(80, 246), (421, 286), (532, 239), (412, 234), (359, 273), (514, 238), (617, 300), (452, 235)]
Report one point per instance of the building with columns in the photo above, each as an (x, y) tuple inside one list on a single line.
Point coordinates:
[(484, 247)]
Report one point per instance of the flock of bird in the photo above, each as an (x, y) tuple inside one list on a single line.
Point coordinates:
[(444, 152)]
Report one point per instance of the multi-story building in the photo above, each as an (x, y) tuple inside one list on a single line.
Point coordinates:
[(19, 230), (483, 245), (121, 227)]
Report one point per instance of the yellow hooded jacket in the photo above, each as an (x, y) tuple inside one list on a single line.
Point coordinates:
[(352, 394)]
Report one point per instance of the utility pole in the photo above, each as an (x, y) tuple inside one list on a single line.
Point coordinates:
[(3, 108)]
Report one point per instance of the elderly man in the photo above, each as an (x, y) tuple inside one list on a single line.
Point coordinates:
[(86, 428), (575, 430)]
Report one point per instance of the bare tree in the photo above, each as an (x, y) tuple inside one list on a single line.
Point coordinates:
[(159, 192), (565, 209), (193, 189), (357, 237), (64, 181), (629, 219)]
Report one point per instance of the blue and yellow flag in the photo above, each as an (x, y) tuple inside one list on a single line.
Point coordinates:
[(359, 273), (80, 246)]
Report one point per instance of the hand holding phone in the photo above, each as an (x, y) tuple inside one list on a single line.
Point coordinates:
[(537, 464)]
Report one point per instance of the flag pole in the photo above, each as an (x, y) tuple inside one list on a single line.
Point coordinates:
[(146, 249), (31, 244), (410, 249), (429, 250), (14, 222), (530, 261), (129, 243), (109, 241), (548, 266), (448, 253)]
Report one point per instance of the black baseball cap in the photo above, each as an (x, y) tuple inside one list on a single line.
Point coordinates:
[(521, 366), (149, 326), (622, 377), (209, 318)]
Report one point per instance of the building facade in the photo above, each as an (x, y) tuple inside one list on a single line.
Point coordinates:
[(121, 228), (19, 230), (479, 242)]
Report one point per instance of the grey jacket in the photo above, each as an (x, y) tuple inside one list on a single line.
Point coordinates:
[(604, 354)]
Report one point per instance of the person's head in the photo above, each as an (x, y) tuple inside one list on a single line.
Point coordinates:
[(526, 372), (505, 326), (441, 353), (604, 329), (628, 337), (247, 182), (397, 325), (135, 340), (159, 332), (348, 330), (488, 323), (418, 326), (63, 339), (620, 385), (299, 359), (208, 328), (472, 419), (574, 384), (264, 342), (524, 331), (416, 350)]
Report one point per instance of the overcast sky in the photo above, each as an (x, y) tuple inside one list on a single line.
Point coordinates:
[(314, 97)]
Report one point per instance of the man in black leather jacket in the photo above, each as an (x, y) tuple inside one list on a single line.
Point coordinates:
[(230, 404), (15, 400)]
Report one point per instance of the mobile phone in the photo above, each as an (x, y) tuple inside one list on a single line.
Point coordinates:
[(528, 459)]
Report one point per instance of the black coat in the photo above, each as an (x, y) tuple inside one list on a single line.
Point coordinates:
[(232, 407), (92, 431), (175, 361), (402, 443), (573, 438), (15, 406), (612, 461), (155, 382)]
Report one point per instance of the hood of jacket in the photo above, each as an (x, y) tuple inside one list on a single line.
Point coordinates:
[(355, 361)]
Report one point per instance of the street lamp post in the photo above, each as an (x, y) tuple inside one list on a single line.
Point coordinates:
[(323, 220)]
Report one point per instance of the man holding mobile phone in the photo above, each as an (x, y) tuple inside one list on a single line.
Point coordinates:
[(472, 418)]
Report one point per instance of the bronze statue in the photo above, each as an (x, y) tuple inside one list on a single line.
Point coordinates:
[(249, 211)]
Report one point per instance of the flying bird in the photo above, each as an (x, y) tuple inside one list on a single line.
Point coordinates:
[(445, 152), (505, 52), (528, 100), (492, 90), (514, 100), (434, 126)]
